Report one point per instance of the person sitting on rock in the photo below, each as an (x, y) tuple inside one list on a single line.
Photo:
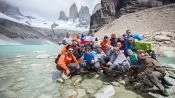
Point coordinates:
[(119, 63), (67, 64), (132, 58), (67, 39), (102, 57), (110, 51), (89, 60), (105, 43), (134, 36), (113, 40), (65, 48), (152, 71), (119, 44), (75, 47)]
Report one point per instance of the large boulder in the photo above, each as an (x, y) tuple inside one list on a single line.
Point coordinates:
[(70, 93), (91, 85), (166, 51), (161, 38), (106, 92)]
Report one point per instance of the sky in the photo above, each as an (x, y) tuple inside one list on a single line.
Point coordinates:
[(50, 9)]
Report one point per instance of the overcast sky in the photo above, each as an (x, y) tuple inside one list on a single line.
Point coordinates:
[(50, 8)]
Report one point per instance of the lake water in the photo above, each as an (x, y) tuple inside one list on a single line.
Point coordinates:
[(27, 70)]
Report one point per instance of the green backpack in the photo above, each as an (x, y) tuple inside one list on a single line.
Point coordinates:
[(144, 45)]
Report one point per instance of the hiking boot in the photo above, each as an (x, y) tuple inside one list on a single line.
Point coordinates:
[(60, 80), (165, 82), (164, 93)]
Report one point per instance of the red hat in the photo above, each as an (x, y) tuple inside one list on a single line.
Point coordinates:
[(113, 35)]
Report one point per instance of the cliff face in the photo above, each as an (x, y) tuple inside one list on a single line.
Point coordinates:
[(112, 9), (73, 14), (63, 16), (84, 15)]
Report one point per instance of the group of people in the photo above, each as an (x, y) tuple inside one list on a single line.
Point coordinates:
[(123, 56)]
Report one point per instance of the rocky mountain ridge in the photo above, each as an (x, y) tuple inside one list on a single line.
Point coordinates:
[(82, 16)]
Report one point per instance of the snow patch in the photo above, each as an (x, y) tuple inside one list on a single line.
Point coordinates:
[(41, 23)]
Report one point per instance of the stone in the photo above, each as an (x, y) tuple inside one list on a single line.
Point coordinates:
[(166, 33), (2, 90), (70, 93), (19, 86), (169, 54), (20, 79), (91, 85), (25, 67), (77, 80), (45, 96), (167, 42), (162, 38), (115, 83), (172, 66), (170, 91), (8, 94), (165, 51), (122, 82), (106, 92), (81, 93)]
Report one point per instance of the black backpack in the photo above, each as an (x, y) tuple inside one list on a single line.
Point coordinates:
[(56, 60)]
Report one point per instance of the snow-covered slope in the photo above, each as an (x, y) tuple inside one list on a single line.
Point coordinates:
[(39, 22)]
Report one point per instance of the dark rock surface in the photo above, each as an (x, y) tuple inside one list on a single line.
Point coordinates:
[(112, 9)]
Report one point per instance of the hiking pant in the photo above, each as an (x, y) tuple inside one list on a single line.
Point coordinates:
[(72, 68), (154, 78), (94, 66)]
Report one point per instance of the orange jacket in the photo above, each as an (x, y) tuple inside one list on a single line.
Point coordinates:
[(104, 45), (66, 59)]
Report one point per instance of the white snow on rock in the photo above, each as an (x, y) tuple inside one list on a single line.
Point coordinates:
[(39, 22)]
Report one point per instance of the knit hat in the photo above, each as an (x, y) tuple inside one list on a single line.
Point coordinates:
[(105, 37), (113, 35)]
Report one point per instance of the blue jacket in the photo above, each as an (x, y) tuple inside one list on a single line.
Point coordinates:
[(128, 45)]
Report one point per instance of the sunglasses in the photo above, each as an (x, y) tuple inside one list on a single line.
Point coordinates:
[(70, 50)]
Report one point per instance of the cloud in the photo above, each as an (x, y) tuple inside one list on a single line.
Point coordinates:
[(50, 8)]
